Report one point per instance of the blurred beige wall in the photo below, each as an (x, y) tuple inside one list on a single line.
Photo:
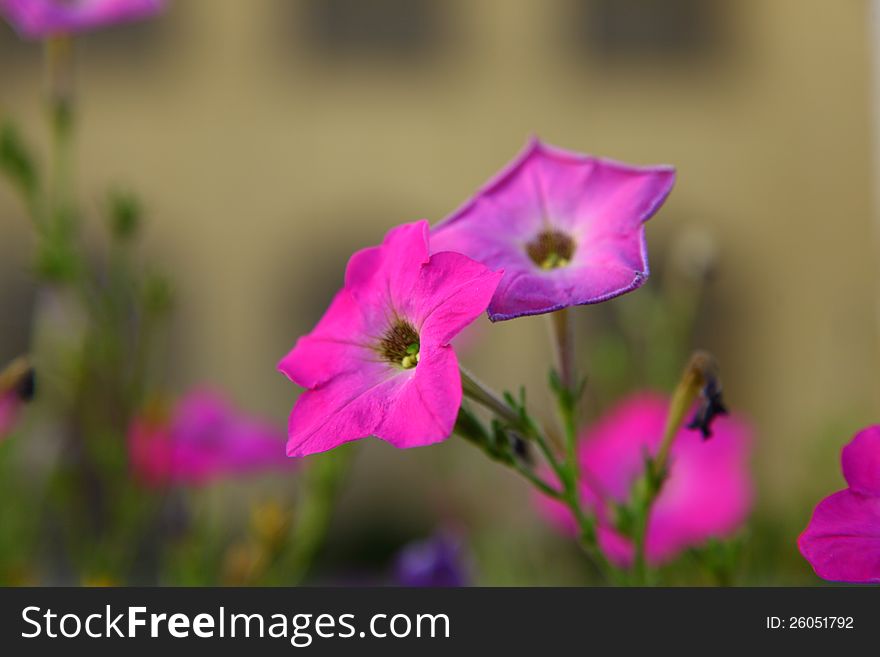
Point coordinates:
[(264, 162)]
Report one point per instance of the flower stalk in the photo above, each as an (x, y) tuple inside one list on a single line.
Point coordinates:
[(58, 258), (59, 73), (563, 339), (700, 373), (700, 377)]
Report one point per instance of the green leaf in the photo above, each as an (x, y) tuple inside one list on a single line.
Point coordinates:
[(125, 213), (16, 162), (158, 295), (500, 443), (468, 426)]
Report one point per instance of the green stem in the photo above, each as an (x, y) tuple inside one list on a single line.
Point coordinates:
[(565, 472), (537, 482), (544, 446), (485, 396), (480, 393), (569, 471), (59, 69), (566, 396), (640, 565), (563, 340), (59, 258), (700, 367), (322, 483)]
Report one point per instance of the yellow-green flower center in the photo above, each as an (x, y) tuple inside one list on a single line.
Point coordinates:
[(400, 346), (551, 249)]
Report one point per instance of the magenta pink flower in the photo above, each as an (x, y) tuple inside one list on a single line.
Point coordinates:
[(707, 494), (379, 361), (203, 439), (567, 229), (842, 541), (36, 19)]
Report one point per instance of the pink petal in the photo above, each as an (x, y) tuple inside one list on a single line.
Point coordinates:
[(450, 294), (337, 344), (613, 451), (407, 408), (861, 461), (10, 407), (708, 493), (354, 392), (842, 540), (426, 407), (345, 408), (205, 439), (382, 277)]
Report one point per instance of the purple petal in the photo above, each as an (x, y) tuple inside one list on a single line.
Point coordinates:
[(435, 562), (601, 205), (44, 18)]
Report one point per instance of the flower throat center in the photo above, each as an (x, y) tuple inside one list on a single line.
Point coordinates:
[(551, 249), (400, 346)]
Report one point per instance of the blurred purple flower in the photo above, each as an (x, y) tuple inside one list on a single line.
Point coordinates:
[(707, 494), (438, 562), (16, 389), (842, 540), (567, 229), (203, 439), (379, 361), (37, 19)]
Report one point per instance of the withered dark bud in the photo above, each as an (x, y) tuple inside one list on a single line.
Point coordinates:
[(711, 406), (27, 386), (699, 379), (520, 448), (19, 377)]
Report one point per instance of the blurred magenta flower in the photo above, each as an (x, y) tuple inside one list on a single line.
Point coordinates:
[(842, 540), (204, 439), (10, 403), (437, 562), (379, 361), (16, 389), (37, 19), (707, 494), (567, 229)]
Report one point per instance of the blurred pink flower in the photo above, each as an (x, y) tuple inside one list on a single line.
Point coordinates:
[(36, 19), (204, 438), (707, 495), (379, 361), (842, 540), (567, 229), (10, 406)]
